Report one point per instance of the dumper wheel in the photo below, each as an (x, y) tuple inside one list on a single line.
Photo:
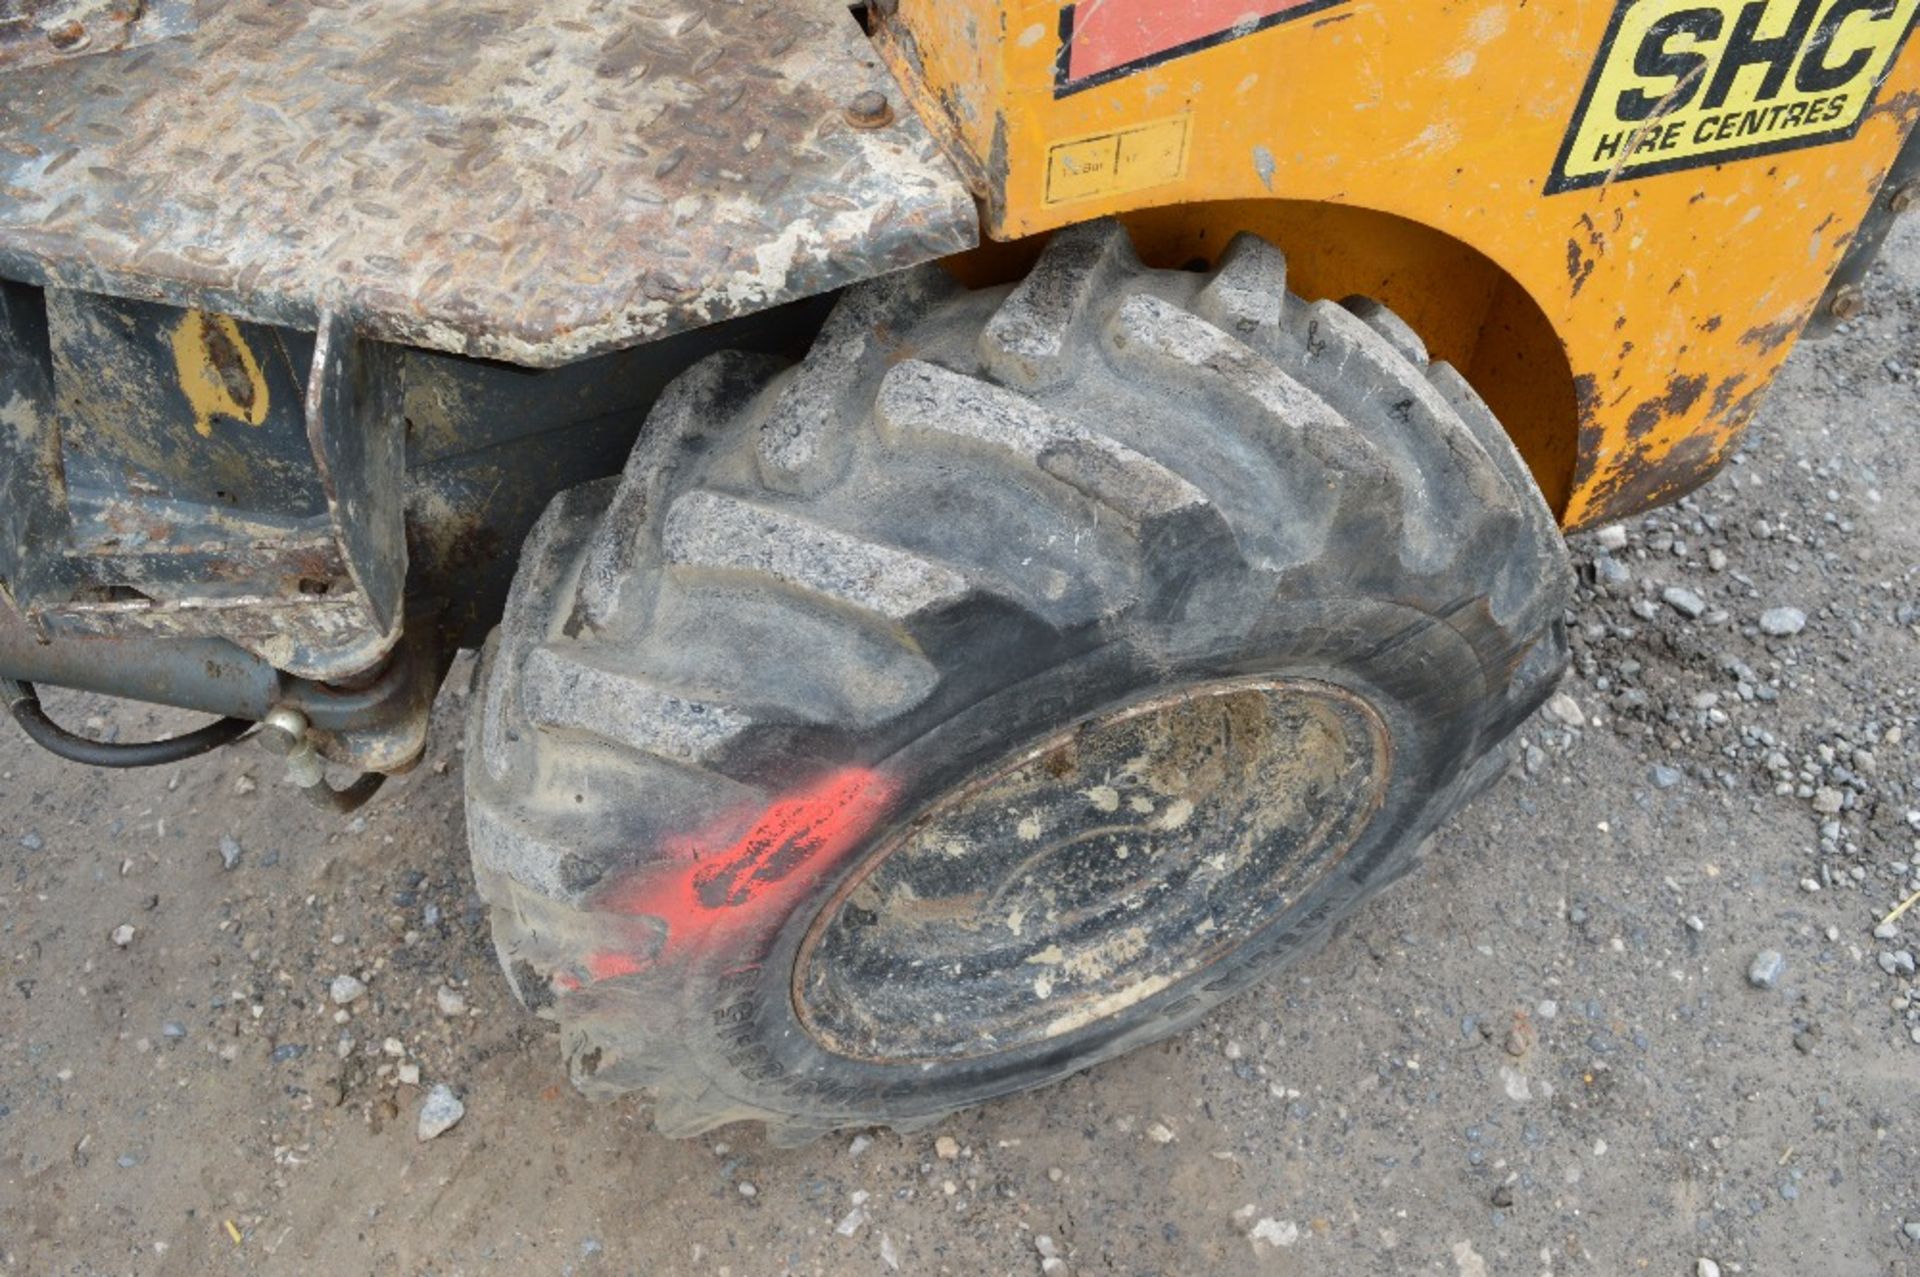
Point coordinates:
[(997, 690)]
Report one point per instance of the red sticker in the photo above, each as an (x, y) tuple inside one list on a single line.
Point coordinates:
[(1102, 40)]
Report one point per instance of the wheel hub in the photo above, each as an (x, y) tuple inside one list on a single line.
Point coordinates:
[(1090, 872)]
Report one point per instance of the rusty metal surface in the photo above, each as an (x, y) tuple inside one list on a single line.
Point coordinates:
[(175, 486), (528, 180), (40, 31), (168, 476)]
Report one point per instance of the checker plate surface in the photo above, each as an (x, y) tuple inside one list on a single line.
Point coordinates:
[(528, 180)]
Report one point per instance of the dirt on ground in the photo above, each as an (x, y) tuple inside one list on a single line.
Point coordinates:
[(1633, 1015)]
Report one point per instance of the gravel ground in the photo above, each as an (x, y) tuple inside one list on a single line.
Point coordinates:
[(1633, 1017)]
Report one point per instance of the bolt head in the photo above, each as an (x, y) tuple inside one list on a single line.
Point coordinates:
[(69, 37), (1904, 197), (1847, 303), (870, 110), (283, 730)]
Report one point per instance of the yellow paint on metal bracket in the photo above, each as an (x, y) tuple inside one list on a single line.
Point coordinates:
[(218, 372)]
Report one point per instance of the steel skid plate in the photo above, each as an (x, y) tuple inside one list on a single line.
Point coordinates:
[(529, 180)]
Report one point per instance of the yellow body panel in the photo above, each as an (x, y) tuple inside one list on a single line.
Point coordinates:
[(1614, 219)]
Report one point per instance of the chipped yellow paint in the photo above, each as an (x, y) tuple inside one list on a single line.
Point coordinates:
[(1623, 330), (218, 372)]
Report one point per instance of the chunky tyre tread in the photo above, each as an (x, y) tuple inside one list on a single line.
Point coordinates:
[(927, 400), (725, 534), (1029, 340), (788, 571), (1247, 295), (568, 690)]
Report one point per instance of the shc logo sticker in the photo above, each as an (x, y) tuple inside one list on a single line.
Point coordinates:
[(1681, 83)]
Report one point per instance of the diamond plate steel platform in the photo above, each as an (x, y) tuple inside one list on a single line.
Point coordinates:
[(528, 180)]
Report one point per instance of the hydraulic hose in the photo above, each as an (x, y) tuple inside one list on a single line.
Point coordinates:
[(55, 739)]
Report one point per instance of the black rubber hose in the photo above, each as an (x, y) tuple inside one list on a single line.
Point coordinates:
[(55, 739)]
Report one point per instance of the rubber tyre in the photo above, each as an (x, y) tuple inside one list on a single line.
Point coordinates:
[(824, 598)]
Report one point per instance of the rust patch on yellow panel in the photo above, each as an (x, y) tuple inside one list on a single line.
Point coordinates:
[(218, 372)]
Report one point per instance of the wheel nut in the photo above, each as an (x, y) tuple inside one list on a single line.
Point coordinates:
[(870, 110)]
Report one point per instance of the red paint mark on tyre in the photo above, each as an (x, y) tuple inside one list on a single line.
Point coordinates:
[(608, 964), (718, 878)]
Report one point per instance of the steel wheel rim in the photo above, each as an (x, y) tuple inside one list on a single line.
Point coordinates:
[(1092, 872)]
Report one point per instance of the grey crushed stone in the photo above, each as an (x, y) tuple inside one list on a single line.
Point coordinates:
[(1765, 970), (1782, 622), (1684, 601), (440, 1112)]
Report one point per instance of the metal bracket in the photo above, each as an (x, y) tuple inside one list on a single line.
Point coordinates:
[(32, 485), (1846, 294), (172, 475), (358, 435)]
